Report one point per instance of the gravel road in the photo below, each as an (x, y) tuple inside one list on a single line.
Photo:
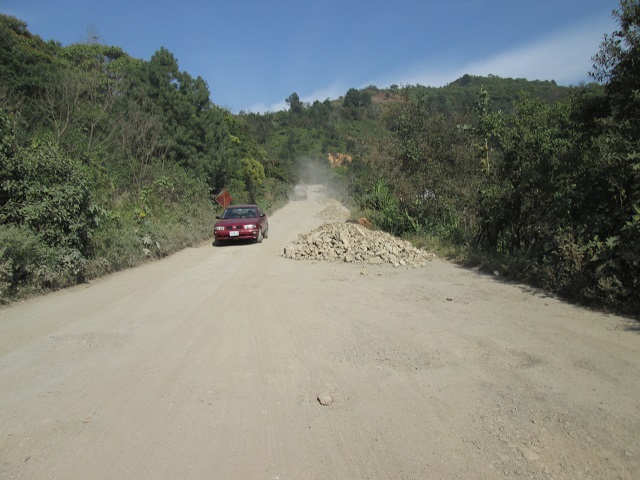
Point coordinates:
[(238, 363)]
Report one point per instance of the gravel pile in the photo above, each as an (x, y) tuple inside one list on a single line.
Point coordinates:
[(333, 212), (349, 242)]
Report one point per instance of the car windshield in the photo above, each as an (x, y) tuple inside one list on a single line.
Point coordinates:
[(239, 213)]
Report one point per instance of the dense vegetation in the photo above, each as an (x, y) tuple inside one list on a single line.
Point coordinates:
[(106, 160), (547, 187)]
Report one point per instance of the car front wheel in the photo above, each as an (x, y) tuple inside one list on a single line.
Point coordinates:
[(260, 237)]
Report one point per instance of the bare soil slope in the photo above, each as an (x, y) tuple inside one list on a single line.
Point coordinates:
[(209, 364)]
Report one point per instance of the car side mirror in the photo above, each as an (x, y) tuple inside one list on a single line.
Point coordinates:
[(263, 214)]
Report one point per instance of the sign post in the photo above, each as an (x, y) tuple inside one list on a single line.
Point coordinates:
[(224, 198)]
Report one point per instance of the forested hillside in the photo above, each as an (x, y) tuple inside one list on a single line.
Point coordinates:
[(107, 160)]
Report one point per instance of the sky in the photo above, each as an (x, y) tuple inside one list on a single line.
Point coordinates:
[(255, 53)]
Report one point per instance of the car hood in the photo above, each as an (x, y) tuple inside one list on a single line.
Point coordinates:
[(236, 221)]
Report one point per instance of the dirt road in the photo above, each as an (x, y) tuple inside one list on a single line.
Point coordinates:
[(208, 365)]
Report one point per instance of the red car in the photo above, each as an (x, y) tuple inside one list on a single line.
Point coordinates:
[(241, 222)]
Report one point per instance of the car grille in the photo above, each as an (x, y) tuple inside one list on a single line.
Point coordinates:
[(234, 227)]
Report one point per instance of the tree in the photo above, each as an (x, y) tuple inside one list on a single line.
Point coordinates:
[(524, 198), (356, 98), (618, 61), (194, 132), (99, 73), (26, 65), (93, 35), (139, 140), (295, 105), (616, 166), (254, 177)]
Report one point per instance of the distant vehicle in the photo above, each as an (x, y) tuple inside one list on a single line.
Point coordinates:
[(300, 192), (241, 222)]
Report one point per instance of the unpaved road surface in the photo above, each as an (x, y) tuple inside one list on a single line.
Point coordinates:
[(208, 365)]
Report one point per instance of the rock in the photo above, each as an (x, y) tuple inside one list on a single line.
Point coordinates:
[(325, 399), (529, 455), (290, 251)]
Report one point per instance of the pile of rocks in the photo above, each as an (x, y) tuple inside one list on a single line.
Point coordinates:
[(349, 242), (333, 212)]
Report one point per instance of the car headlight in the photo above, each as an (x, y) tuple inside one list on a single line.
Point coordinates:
[(250, 227), (219, 228)]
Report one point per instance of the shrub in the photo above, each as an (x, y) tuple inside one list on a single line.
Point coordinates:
[(47, 192), (28, 265)]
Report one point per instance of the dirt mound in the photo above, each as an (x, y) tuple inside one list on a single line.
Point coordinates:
[(349, 242), (339, 159), (333, 212)]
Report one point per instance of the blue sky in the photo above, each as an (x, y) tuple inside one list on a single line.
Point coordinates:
[(254, 54)]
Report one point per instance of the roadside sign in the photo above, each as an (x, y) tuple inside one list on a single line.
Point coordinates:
[(224, 199)]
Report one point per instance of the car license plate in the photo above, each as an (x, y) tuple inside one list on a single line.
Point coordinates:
[(234, 234)]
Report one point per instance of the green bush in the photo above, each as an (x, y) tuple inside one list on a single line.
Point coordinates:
[(29, 265), (47, 192)]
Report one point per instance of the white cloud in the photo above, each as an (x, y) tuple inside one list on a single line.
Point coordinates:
[(564, 57), (264, 108), (333, 91)]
